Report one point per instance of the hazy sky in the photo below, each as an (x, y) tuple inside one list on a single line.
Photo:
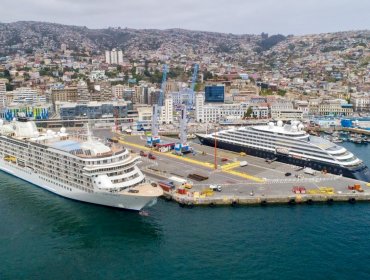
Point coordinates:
[(234, 16)]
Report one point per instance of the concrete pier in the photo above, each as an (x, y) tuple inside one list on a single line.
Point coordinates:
[(258, 183)]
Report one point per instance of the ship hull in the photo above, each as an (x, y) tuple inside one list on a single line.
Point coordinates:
[(121, 201), (361, 172)]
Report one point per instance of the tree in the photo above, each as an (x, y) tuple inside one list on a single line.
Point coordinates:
[(248, 113), (281, 92), (207, 75)]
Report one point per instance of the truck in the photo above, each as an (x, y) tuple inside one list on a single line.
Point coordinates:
[(243, 163), (178, 181), (309, 171)]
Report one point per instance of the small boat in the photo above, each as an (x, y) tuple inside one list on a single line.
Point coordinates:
[(337, 140)]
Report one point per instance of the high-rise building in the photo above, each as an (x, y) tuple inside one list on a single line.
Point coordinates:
[(107, 57), (117, 91), (83, 95), (63, 47), (3, 92), (199, 107), (114, 57), (120, 57), (167, 111), (102, 92)]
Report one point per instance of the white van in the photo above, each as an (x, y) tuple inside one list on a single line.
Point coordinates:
[(243, 163)]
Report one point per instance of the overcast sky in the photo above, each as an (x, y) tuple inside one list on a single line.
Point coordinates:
[(231, 16)]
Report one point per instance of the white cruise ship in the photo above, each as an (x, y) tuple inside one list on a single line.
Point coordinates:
[(74, 166), (290, 144)]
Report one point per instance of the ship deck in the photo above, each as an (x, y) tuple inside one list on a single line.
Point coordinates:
[(73, 144)]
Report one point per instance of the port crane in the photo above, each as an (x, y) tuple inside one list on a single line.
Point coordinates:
[(182, 146), (154, 138), (192, 86)]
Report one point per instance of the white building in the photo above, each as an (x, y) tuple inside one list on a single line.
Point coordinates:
[(96, 75), (214, 112), (260, 111), (3, 92), (283, 110), (145, 113), (114, 57), (360, 101), (118, 90), (107, 57), (27, 95), (199, 107), (184, 96), (166, 116)]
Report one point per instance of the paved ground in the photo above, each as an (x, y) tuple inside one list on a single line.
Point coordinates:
[(260, 178)]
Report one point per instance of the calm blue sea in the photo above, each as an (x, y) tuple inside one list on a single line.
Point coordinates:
[(43, 236)]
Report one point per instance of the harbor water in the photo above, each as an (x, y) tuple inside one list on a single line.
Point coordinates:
[(43, 236)]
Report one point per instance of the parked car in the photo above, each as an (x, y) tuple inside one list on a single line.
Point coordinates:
[(288, 174)]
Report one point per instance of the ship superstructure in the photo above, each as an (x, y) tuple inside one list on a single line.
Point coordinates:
[(290, 144), (76, 166)]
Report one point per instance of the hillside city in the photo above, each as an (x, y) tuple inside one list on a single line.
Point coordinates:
[(53, 71)]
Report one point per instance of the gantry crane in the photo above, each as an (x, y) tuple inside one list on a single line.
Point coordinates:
[(157, 108)]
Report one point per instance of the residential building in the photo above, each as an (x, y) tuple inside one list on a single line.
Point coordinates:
[(117, 91), (27, 95), (114, 57), (3, 92), (102, 92), (83, 95), (199, 107), (97, 75), (167, 111)]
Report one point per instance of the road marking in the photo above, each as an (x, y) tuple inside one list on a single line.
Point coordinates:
[(193, 161)]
